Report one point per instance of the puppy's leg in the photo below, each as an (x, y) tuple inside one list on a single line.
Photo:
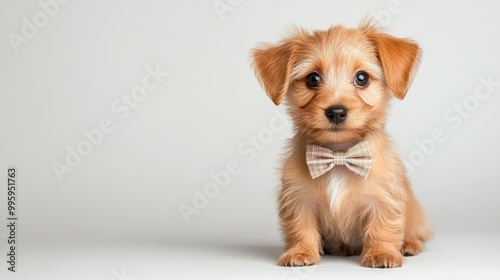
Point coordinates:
[(300, 228), (417, 229), (383, 237)]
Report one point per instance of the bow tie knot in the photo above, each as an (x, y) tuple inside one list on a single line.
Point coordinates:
[(321, 160), (339, 158)]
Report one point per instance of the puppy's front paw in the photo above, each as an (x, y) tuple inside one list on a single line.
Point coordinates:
[(294, 257), (382, 259)]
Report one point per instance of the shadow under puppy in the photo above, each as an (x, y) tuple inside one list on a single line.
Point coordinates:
[(344, 188)]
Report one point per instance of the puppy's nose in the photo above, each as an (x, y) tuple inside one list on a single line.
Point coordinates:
[(336, 114)]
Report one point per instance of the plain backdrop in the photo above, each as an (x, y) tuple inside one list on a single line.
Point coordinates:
[(80, 64)]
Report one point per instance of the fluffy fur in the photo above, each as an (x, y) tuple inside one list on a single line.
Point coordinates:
[(340, 212)]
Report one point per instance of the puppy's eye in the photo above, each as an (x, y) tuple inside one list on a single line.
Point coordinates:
[(313, 80), (361, 79)]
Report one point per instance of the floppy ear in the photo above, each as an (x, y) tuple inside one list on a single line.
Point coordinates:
[(399, 59), (272, 67)]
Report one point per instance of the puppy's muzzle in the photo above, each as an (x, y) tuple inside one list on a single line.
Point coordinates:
[(336, 114)]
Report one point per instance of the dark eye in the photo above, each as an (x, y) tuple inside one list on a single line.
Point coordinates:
[(313, 80), (361, 79)]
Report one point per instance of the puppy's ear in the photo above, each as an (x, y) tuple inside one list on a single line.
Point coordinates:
[(399, 59), (272, 68)]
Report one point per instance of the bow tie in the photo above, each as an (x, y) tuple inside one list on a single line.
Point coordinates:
[(321, 160)]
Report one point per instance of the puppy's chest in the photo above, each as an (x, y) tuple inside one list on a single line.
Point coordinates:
[(339, 189)]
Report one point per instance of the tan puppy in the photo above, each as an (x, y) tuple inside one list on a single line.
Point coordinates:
[(337, 85)]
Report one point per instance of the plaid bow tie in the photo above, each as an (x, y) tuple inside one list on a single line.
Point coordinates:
[(321, 160)]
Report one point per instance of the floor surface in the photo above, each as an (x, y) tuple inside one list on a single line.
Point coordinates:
[(444, 258)]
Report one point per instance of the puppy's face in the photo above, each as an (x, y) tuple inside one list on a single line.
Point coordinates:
[(337, 82)]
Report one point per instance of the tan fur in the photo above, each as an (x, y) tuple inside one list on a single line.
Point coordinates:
[(341, 212)]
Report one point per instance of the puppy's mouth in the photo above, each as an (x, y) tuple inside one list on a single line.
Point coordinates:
[(334, 133), (336, 129), (332, 129)]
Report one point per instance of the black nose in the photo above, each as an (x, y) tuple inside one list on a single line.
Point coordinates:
[(336, 114)]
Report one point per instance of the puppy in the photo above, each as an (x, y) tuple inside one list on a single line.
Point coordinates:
[(344, 188)]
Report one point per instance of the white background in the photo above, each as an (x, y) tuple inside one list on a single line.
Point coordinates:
[(119, 208)]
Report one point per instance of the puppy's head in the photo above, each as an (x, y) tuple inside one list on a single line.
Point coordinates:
[(337, 83)]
